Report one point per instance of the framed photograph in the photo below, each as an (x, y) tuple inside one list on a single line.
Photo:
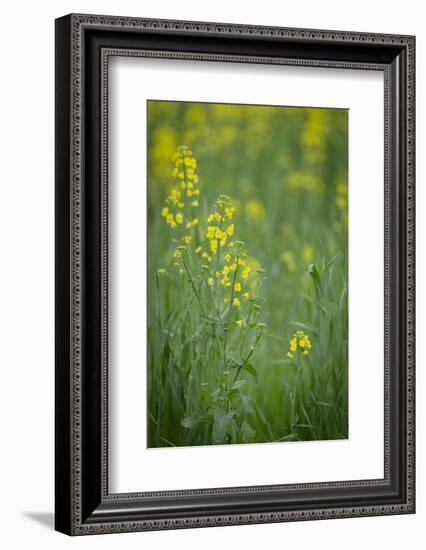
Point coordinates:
[(234, 274)]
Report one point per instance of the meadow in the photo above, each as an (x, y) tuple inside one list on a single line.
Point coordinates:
[(247, 274)]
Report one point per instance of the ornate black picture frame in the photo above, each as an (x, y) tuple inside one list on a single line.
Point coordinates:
[(84, 43)]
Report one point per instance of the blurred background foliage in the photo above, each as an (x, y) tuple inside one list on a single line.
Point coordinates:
[(286, 171)]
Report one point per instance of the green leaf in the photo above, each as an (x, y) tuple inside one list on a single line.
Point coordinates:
[(236, 387), (238, 384), (313, 301), (209, 320), (250, 369), (167, 442), (215, 394), (221, 424), (331, 262), (247, 433), (233, 359), (247, 403), (192, 421), (289, 437), (313, 272), (263, 420), (188, 422)]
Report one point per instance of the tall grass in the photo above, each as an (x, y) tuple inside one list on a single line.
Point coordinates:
[(217, 372)]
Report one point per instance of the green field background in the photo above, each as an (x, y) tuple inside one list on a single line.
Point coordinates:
[(286, 172)]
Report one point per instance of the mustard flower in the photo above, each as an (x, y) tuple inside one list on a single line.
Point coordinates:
[(246, 272), (299, 341), (230, 230), (229, 211)]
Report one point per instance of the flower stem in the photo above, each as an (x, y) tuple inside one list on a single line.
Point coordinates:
[(193, 287)]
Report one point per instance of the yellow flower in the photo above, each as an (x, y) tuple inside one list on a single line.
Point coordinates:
[(194, 203), (196, 192), (218, 233), (205, 255), (228, 257), (226, 282), (211, 231), (229, 211), (189, 193), (213, 246), (170, 220), (246, 295), (218, 273), (179, 218), (186, 239), (226, 300), (230, 230), (225, 270), (231, 244), (237, 287), (233, 267), (218, 217), (210, 281), (182, 185), (236, 302), (246, 272), (210, 219), (195, 222), (239, 322), (301, 341), (164, 212), (289, 355)]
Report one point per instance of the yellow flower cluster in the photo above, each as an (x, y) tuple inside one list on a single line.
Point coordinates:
[(184, 172), (234, 274), (220, 228), (300, 341), (229, 279)]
